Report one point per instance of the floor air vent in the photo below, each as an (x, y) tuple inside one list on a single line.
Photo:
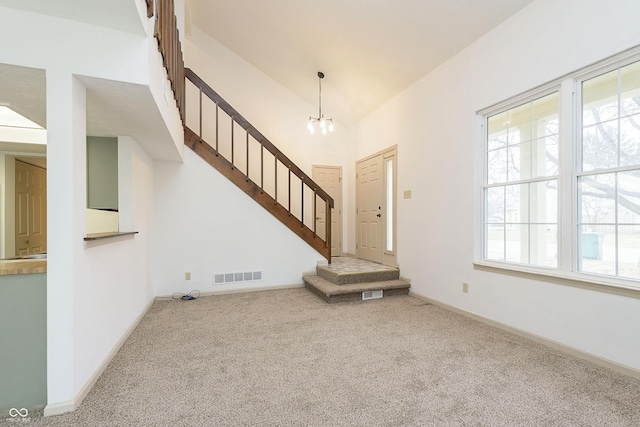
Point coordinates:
[(372, 294)]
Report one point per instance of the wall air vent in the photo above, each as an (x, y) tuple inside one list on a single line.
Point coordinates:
[(239, 277), (372, 294)]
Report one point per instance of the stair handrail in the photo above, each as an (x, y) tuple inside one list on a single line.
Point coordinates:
[(236, 117)]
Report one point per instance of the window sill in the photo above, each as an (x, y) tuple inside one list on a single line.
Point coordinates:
[(613, 285), (101, 236)]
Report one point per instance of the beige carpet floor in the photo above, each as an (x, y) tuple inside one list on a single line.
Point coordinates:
[(286, 358)]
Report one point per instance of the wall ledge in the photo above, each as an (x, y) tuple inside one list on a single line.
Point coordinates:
[(101, 236)]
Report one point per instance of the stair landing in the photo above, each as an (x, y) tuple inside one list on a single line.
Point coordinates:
[(346, 279)]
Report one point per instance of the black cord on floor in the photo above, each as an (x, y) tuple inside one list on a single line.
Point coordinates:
[(194, 294)]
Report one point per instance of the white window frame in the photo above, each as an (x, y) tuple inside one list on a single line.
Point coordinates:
[(569, 155)]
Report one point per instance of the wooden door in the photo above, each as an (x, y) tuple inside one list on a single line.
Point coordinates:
[(31, 209), (369, 208), (330, 180)]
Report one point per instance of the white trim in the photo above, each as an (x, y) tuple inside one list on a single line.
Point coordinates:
[(59, 408), (242, 290), (598, 360), (522, 98), (611, 285), (72, 405), (252, 289), (621, 58)]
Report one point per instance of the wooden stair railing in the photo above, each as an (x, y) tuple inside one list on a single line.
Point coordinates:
[(257, 166), (168, 36), (149, 8)]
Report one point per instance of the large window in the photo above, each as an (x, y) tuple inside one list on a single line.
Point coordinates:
[(609, 175), (521, 183), (561, 177)]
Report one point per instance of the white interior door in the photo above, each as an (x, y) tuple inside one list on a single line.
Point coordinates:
[(369, 208), (329, 178)]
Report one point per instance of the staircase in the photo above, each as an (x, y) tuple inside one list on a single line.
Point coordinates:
[(222, 137), (352, 279), (219, 134)]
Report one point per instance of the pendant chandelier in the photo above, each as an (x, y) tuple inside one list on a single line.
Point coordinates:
[(325, 125)]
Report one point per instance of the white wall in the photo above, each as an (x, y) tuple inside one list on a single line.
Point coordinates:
[(95, 291), (433, 123), (113, 286), (80, 48), (203, 224), (276, 112)]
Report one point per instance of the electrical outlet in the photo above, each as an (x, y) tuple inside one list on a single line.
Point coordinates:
[(465, 287), (187, 275)]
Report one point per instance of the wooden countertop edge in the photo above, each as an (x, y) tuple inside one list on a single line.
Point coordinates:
[(23, 266)]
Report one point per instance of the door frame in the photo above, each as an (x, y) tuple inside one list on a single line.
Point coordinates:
[(389, 210), (337, 228)]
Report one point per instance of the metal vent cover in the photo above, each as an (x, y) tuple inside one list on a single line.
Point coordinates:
[(371, 294), (244, 276)]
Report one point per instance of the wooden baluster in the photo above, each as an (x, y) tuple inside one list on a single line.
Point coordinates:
[(217, 152), (327, 228), (275, 169), (261, 168), (289, 203), (170, 45), (247, 156), (200, 134), (232, 144), (163, 32), (302, 203), (315, 212)]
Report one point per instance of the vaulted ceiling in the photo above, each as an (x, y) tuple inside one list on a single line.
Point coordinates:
[(369, 50)]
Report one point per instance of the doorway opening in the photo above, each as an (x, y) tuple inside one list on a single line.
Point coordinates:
[(330, 180)]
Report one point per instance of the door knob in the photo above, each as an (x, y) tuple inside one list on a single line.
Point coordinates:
[(379, 215)]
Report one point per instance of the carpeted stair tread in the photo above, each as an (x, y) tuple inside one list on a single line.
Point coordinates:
[(355, 277), (353, 292)]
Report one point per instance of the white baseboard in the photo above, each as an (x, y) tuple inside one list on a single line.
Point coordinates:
[(59, 408), (241, 290), (252, 289), (598, 360), (72, 405)]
